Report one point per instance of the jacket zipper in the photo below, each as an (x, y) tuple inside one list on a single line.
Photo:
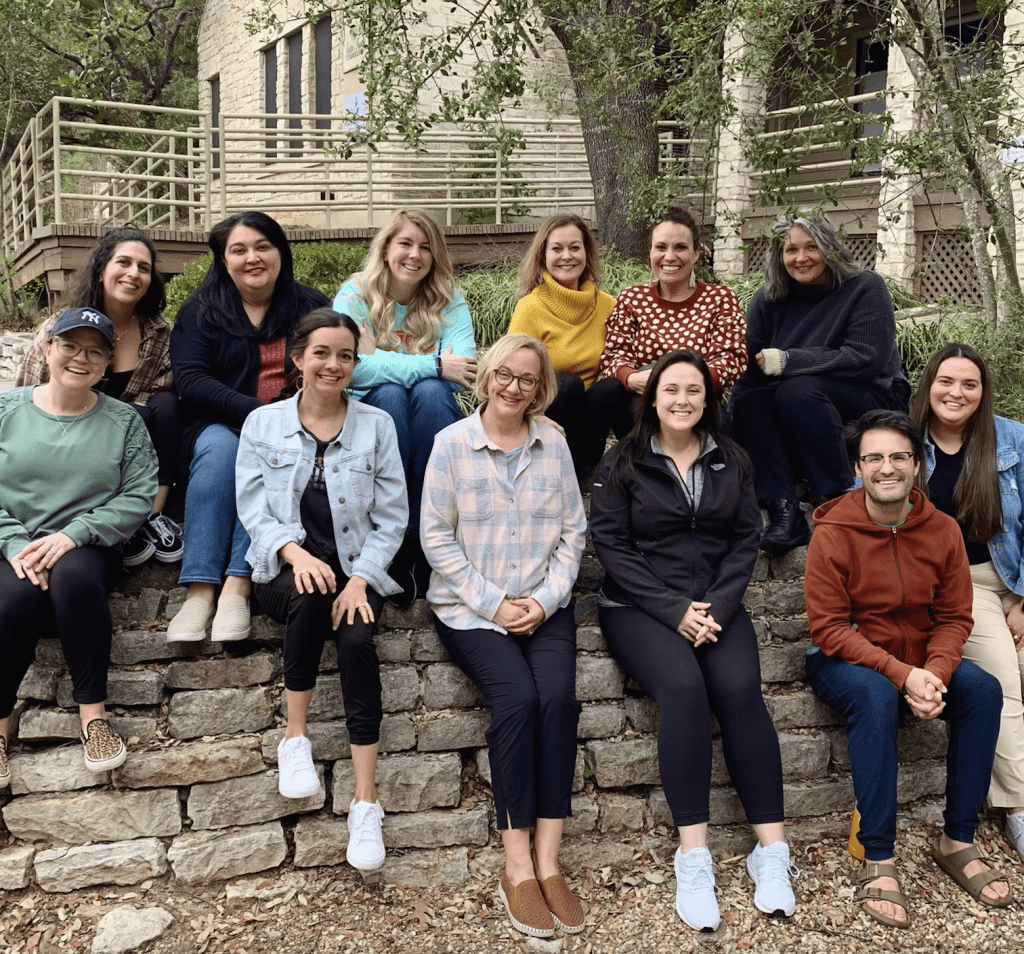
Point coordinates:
[(905, 642)]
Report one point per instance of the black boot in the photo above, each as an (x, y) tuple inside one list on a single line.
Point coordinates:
[(787, 527)]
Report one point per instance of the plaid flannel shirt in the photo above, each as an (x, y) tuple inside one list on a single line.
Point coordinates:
[(152, 373), (488, 539)]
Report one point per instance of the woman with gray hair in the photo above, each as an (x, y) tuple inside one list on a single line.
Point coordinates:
[(821, 336)]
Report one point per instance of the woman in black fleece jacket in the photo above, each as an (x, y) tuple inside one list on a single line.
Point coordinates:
[(821, 340), (675, 524)]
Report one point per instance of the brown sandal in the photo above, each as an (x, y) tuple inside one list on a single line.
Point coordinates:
[(870, 872), (956, 862)]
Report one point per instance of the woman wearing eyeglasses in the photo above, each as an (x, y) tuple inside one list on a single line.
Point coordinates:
[(974, 471), (503, 528), (78, 475)]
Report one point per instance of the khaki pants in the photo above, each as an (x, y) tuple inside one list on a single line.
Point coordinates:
[(991, 647)]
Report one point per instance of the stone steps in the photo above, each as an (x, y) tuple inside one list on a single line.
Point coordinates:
[(198, 793)]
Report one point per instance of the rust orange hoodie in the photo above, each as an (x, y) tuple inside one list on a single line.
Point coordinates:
[(907, 591)]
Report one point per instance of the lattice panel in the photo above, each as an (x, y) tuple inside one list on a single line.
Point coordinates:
[(862, 247), (946, 267)]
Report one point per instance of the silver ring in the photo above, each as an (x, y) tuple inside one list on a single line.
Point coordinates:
[(52, 550), (367, 605)]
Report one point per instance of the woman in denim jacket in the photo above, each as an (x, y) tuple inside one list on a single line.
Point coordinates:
[(974, 471), (320, 491)]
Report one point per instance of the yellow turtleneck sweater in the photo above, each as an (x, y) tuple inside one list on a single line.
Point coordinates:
[(571, 324)]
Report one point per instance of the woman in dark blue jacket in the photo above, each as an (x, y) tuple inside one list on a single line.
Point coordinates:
[(675, 524), (229, 353)]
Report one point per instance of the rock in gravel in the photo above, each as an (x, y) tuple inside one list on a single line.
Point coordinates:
[(15, 866), (126, 928), (544, 945)]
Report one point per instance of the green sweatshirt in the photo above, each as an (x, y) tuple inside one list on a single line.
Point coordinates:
[(92, 476)]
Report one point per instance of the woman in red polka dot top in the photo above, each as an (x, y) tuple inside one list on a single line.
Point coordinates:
[(675, 310)]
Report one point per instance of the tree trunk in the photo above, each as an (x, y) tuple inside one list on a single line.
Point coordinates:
[(621, 154)]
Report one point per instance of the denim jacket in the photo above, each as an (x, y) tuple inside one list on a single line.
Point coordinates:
[(365, 483), (1007, 547)]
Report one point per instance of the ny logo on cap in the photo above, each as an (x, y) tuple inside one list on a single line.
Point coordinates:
[(92, 316)]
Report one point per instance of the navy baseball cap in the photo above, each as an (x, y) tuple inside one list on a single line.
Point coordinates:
[(84, 318)]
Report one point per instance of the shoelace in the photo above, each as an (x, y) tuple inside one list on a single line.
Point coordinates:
[(364, 830), (773, 869), (163, 527), (698, 876)]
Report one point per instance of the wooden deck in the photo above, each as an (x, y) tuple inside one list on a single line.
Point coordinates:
[(56, 251)]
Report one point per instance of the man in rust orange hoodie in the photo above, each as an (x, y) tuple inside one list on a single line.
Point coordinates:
[(888, 592)]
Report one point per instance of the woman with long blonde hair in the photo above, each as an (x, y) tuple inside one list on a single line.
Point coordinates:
[(417, 350)]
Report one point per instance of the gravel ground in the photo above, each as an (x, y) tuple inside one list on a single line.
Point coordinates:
[(630, 907)]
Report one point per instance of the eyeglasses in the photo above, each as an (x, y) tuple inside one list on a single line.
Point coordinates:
[(69, 349), (527, 382), (897, 459)]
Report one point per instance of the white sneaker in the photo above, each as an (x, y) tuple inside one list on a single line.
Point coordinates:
[(1014, 829), (297, 776), (365, 841), (770, 869), (695, 890), (189, 623), (232, 620)]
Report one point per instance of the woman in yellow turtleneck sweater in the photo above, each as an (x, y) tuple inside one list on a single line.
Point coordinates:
[(560, 303)]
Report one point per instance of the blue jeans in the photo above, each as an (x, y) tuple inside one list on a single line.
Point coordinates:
[(215, 540), (871, 705), (419, 413)]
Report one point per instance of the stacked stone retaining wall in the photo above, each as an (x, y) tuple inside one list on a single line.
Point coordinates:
[(198, 793)]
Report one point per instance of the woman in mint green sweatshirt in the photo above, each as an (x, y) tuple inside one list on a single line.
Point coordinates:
[(78, 475)]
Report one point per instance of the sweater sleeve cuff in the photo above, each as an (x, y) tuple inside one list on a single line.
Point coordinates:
[(622, 372), (896, 672)]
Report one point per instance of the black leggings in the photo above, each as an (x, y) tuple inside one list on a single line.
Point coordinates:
[(307, 619), (586, 414), (689, 684), (160, 415), (74, 608)]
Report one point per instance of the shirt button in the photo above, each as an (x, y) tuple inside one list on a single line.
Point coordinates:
[(273, 460), (344, 529), (350, 558), (368, 467), (513, 566), (341, 500), (335, 469)]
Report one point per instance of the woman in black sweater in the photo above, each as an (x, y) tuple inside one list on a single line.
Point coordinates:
[(675, 524), (821, 340)]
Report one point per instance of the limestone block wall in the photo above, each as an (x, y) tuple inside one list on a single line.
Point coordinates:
[(198, 794)]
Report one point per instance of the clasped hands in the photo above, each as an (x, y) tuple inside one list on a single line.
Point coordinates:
[(698, 625), (519, 616), (923, 691), (35, 560)]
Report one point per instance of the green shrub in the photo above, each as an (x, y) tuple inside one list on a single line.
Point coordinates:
[(321, 265)]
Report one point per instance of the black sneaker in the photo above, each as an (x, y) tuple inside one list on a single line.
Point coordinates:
[(138, 548), (167, 537)]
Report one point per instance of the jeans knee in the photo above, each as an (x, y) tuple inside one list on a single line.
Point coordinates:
[(216, 450), (390, 397)]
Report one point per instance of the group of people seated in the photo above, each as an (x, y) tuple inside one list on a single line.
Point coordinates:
[(329, 467)]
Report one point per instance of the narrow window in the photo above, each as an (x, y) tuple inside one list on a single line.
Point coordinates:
[(322, 54), (270, 96)]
